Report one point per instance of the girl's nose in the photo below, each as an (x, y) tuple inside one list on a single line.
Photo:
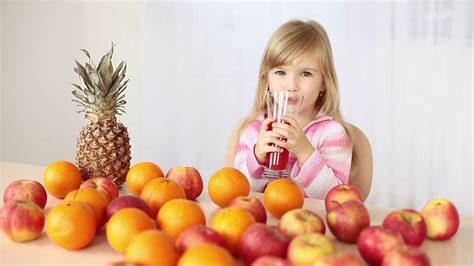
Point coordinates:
[(292, 85), (293, 89)]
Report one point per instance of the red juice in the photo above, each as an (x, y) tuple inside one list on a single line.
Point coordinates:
[(276, 160)]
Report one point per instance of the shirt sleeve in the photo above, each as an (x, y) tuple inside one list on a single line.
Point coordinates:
[(245, 159), (328, 166)]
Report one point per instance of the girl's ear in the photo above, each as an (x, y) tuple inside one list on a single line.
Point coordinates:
[(323, 86)]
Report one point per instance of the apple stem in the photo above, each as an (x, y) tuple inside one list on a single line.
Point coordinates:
[(407, 219)]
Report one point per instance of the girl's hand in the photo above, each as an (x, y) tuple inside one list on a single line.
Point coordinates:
[(296, 141), (265, 140)]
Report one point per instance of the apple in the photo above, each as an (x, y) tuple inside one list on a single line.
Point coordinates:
[(189, 178), (270, 261), (406, 255), (301, 221), (441, 218), (21, 221), (104, 185), (260, 240), (409, 223), (198, 234), (252, 205), (126, 201), (346, 220), (305, 249), (375, 242), (24, 190), (340, 194), (339, 258)]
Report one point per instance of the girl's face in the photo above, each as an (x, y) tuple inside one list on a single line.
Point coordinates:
[(303, 78)]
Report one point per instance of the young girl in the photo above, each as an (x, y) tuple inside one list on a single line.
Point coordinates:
[(298, 58)]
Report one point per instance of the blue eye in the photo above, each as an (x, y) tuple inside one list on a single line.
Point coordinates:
[(306, 74), (280, 73)]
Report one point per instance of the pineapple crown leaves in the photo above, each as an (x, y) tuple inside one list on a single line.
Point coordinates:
[(103, 93)]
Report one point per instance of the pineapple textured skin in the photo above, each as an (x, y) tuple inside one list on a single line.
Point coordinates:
[(103, 150)]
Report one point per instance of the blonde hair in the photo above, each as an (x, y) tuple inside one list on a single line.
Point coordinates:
[(290, 43)]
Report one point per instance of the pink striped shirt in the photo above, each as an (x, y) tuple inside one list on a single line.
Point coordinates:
[(327, 167)]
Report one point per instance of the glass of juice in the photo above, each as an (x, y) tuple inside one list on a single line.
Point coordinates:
[(280, 103)]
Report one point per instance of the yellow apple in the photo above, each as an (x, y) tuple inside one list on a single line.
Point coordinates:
[(305, 249), (301, 221), (442, 219)]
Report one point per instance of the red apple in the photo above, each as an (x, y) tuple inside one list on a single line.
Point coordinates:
[(189, 178), (409, 223), (270, 261), (260, 240), (375, 242), (340, 194), (21, 221), (126, 201), (198, 234), (24, 190), (346, 220), (301, 221), (252, 205), (339, 258), (104, 185), (406, 255), (305, 249), (442, 219)]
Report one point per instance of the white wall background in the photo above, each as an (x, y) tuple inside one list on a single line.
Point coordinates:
[(405, 73), (40, 41)]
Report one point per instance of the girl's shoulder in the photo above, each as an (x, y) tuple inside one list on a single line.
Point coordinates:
[(325, 125), (249, 125), (253, 122)]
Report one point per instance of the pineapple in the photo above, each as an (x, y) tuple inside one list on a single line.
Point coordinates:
[(103, 145)]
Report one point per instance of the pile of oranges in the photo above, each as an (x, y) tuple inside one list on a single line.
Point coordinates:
[(150, 238)]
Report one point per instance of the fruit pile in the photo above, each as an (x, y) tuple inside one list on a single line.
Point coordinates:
[(161, 224)]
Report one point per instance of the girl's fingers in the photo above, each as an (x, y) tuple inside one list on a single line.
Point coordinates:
[(272, 137), (266, 122), (275, 139), (282, 132), (282, 126), (271, 148), (272, 134), (286, 127), (280, 143), (291, 121)]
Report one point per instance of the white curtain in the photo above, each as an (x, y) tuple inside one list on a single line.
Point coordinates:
[(406, 77), (405, 74)]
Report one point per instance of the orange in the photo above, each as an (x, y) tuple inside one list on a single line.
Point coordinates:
[(151, 247), (71, 224), (96, 199), (60, 178), (125, 224), (230, 223), (206, 254), (159, 191), (282, 195), (140, 174), (227, 184), (179, 214)]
